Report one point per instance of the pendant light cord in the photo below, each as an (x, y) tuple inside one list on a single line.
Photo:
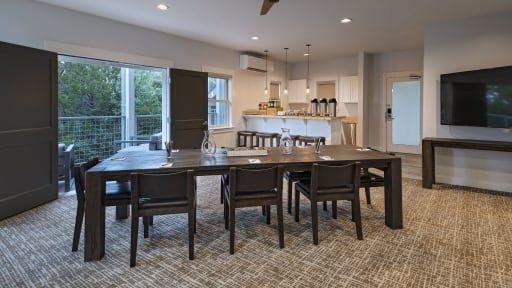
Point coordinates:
[(286, 70), (308, 45), (266, 72)]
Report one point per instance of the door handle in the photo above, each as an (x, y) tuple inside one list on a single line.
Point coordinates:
[(389, 114)]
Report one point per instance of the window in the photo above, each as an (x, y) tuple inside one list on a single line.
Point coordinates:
[(219, 101), (103, 102)]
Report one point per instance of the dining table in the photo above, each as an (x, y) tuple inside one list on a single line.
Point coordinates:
[(140, 159)]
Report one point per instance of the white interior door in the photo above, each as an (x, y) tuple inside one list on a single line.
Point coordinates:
[(403, 113)]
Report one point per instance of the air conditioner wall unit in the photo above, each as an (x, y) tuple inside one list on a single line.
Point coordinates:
[(248, 62)]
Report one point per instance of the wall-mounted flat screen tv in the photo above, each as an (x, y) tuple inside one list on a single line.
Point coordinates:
[(481, 98)]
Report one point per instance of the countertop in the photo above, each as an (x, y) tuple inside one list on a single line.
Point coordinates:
[(297, 117)]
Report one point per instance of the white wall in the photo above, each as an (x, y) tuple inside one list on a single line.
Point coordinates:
[(30, 24), (467, 45)]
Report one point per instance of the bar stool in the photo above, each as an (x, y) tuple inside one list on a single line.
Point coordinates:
[(261, 139), (305, 140), (295, 139), (245, 138)]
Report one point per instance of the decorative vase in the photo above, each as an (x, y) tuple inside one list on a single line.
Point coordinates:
[(286, 142), (208, 145)]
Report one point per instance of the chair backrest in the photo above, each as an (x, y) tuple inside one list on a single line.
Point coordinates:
[(66, 157), (177, 186), (252, 180), (79, 173), (327, 177)]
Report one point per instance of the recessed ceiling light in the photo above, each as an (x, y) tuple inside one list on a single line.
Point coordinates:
[(162, 7), (255, 37), (346, 20)]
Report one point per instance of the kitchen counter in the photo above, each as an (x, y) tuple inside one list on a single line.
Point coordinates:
[(328, 127), (297, 117)]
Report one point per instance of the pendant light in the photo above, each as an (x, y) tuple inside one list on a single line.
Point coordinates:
[(266, 72), (307, 79), (286, 71)]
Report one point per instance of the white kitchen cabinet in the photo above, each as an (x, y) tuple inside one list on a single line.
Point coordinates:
[(297, 91), (349, 89)]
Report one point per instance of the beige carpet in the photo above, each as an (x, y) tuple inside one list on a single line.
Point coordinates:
[(452, 238)]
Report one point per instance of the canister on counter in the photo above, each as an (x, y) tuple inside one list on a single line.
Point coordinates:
[(323, 106), (314, 107), (332, 107)]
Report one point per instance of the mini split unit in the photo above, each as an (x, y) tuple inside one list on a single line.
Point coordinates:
[(248, 62)]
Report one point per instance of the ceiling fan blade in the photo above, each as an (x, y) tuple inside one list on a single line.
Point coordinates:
[(267, 4)]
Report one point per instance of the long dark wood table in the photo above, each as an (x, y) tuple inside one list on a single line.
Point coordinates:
[(141, 160)]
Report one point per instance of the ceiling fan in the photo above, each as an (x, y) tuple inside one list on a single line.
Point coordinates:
[(267, 4)]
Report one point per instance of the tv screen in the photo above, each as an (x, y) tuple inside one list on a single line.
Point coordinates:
[(481, 98)]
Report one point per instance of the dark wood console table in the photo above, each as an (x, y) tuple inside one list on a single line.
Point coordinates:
[(429, 144)]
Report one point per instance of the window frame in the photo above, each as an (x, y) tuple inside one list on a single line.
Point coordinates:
[(227, 100)]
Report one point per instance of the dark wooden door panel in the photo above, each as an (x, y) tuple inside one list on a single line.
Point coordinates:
[(28, 128), (189, 111)]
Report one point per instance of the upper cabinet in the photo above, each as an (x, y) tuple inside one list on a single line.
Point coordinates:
[(297, 91), (349, 89)]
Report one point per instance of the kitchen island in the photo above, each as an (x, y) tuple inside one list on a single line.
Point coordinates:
[(328, 127)]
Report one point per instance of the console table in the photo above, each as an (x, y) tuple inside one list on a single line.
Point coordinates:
[(428, 156)]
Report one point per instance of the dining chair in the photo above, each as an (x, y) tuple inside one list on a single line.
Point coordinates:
[(162, 194), (250, 188), (331, 183), (116, 194), (65, 164), (294, 176), (370, 179)]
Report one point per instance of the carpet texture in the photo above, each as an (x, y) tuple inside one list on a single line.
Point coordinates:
[(451, 238)]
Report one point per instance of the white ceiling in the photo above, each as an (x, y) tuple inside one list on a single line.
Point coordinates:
[(378, 25)]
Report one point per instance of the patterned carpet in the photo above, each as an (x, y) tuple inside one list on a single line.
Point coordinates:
[(452, 238)]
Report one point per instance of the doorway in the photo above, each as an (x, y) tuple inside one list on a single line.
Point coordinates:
[(403, 112)]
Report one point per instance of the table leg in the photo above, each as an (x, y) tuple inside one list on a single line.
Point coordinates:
[(393, 194), (428, 164), (94, 243)]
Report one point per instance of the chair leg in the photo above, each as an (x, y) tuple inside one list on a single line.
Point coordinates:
[(297, 200), (357, 216), (325, 205), (263, 210), (78, 226), (268, 214), (314, 221), (334, 210), (133, 243), (151, 220), (191, 231), (367, 192), (290, 188), (221, 191), (280, 224), (122, 212), (145, 221), (231, 230), (226, 215)]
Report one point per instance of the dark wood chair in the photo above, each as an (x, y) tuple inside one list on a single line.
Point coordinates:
[(245, 138), (331, 183), (159, 194), (308, 140), (250, 188), (294, 176), (116, 194), (262, 137), (65, 164), (370, 179)]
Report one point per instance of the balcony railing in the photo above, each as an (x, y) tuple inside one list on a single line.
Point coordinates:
[(94, 136)]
